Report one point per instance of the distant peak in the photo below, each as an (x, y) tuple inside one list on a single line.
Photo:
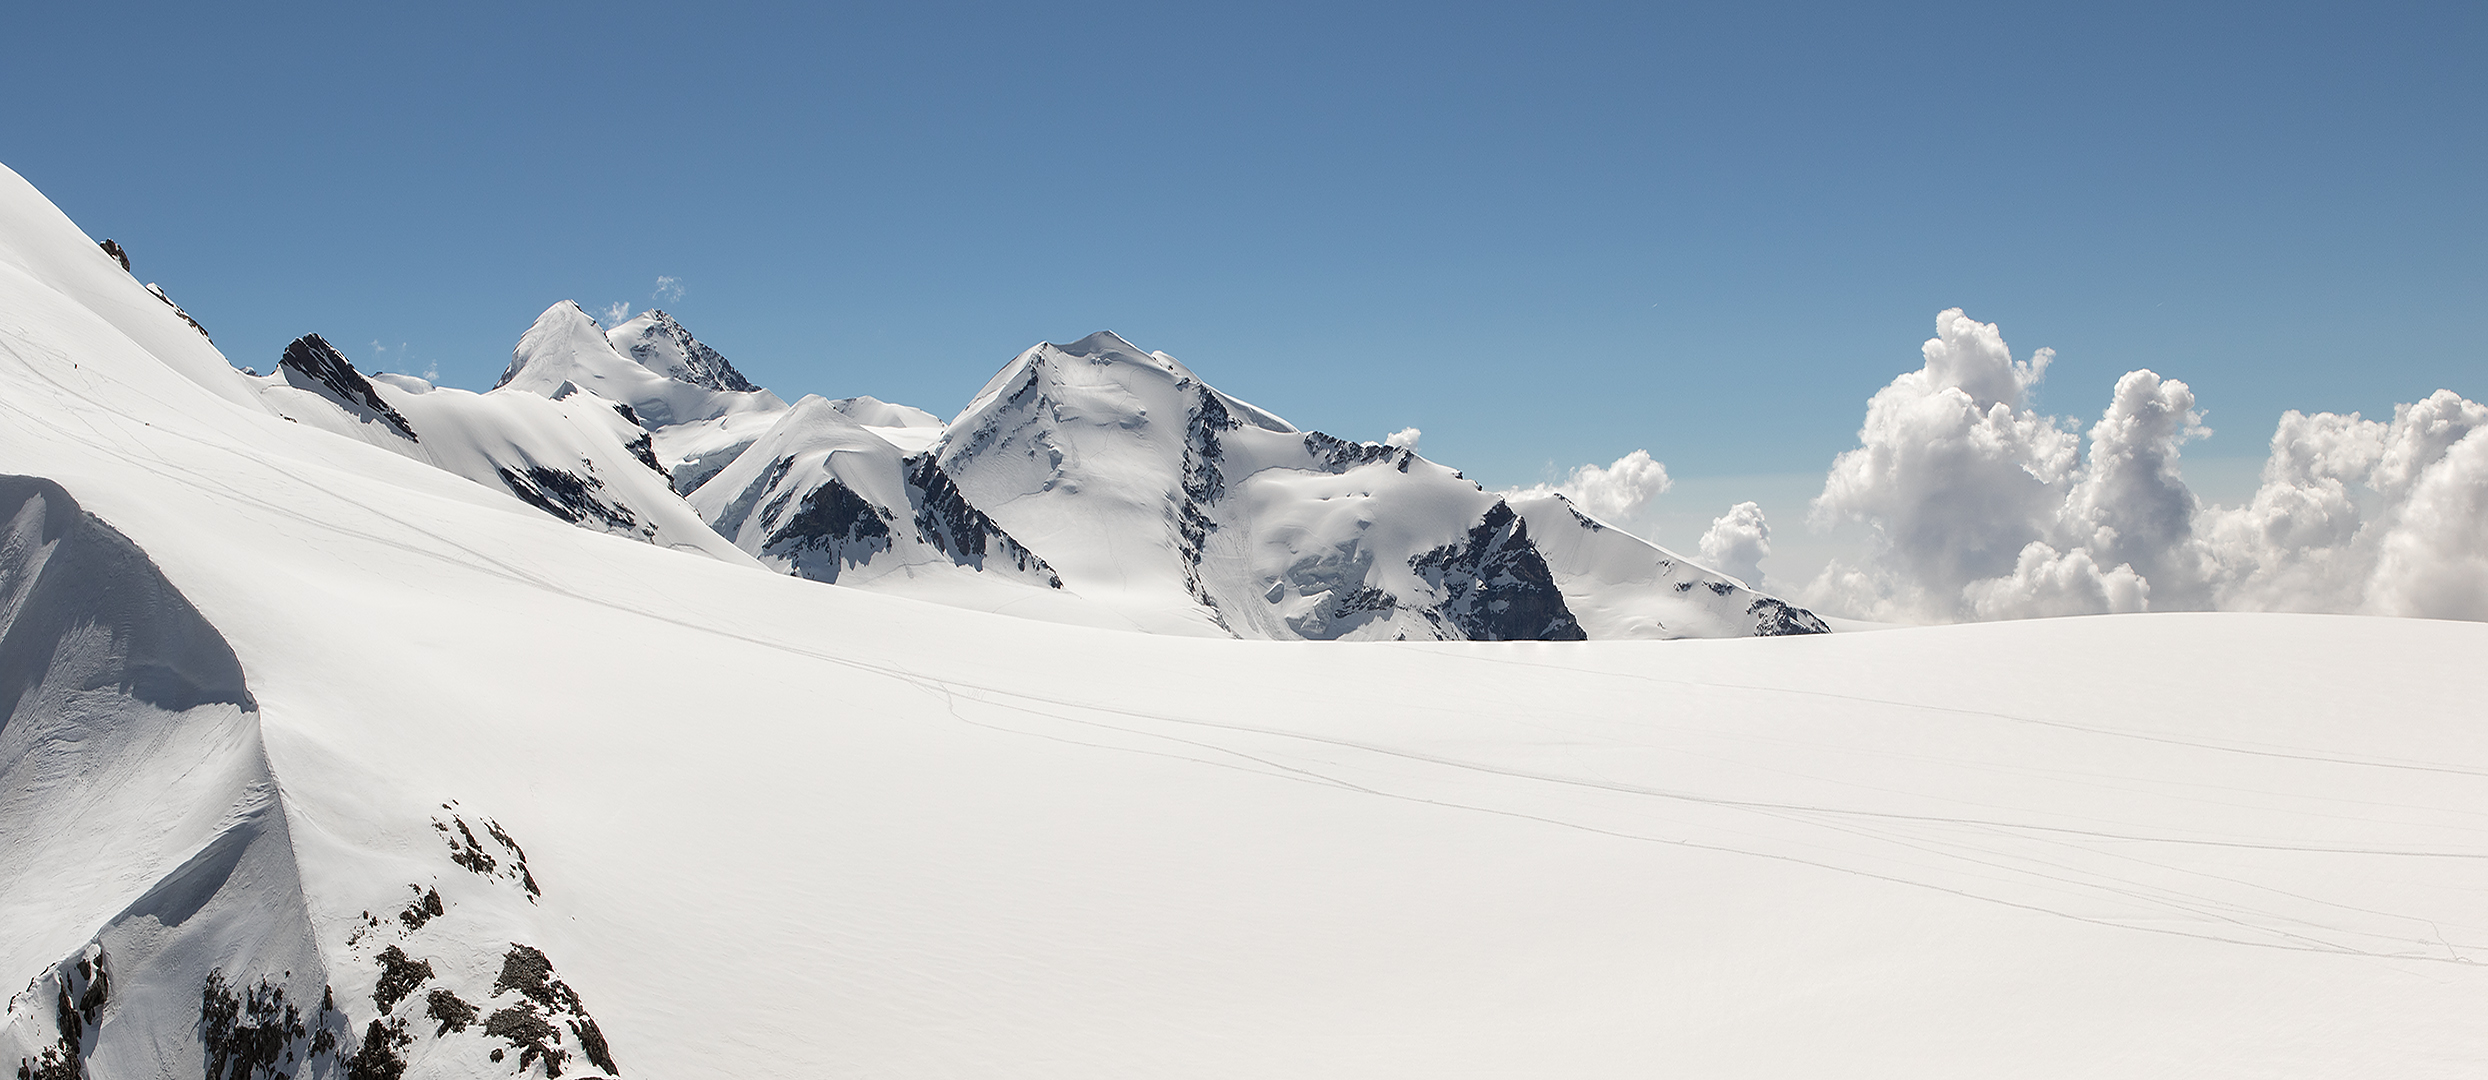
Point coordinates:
[(654, 340)]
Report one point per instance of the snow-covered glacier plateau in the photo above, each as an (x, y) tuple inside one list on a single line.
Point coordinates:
[(355, 727)]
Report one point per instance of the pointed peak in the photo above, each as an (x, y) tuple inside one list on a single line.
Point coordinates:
[(654, 340)]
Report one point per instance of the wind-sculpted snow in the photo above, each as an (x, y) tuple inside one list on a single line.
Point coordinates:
[(138, 819)]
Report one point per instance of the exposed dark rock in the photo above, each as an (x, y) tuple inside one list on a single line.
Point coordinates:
[(452, 1011), (467, 851), (83, 988), (324, 1040), (833, 528), (1774, 617), (1204, 483), (526, 879), (399, 976), (645, 449), (1337, 455), (530, 1035), (378, 1058), (320, 364), (592, 1044), (528, 1025), (158, 290), (426, 906), (463, 849), (246, 1036), (113, 248), (946, 519), (566, 495), (526, 969), (1495, 586)]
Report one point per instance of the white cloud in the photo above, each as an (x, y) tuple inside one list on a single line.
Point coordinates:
[(2132, 508), (1737, 543), (1612, 492), (1404, 439), (1979, 510), (669, 289), (2305, 543), (1955, 475), (617, 313), (2434, 560), (2046, 582)]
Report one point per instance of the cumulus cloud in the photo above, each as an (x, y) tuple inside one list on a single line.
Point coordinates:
[(2045, 581), (1737, 542), (1612, 492), (1404, 439), (1955, 475), (2305, 542), (617, 313), (1981, 508), (669, 289)]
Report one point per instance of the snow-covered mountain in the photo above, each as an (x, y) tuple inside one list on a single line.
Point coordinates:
[(319, 760), (1143, 494), (824, 497), (574, 455), (1149, 489), (649, 363)]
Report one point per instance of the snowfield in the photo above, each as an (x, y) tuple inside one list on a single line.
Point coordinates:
[(484, 794)]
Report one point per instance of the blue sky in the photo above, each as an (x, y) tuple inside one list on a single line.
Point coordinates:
[(1545, 235)]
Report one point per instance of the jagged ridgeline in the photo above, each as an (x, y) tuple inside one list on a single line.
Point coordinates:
[(1092, 482)]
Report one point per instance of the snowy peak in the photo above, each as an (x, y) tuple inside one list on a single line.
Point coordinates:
[(823, 497), (560, 337), (566, 345), (656, 342)]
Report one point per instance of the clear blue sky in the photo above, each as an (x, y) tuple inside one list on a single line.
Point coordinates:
[(1545, 235)]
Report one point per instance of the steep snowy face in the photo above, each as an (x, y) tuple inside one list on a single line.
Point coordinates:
[(656, 342), (1104, 459), (573, 455), (139, 821), (1622, 586), (823, 497), (567, 346), (1189, 509)]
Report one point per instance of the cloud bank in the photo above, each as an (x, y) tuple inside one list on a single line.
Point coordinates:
[(1981, 508)]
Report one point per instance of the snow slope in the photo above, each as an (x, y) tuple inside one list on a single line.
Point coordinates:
[(576, 456), (738, 824)]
